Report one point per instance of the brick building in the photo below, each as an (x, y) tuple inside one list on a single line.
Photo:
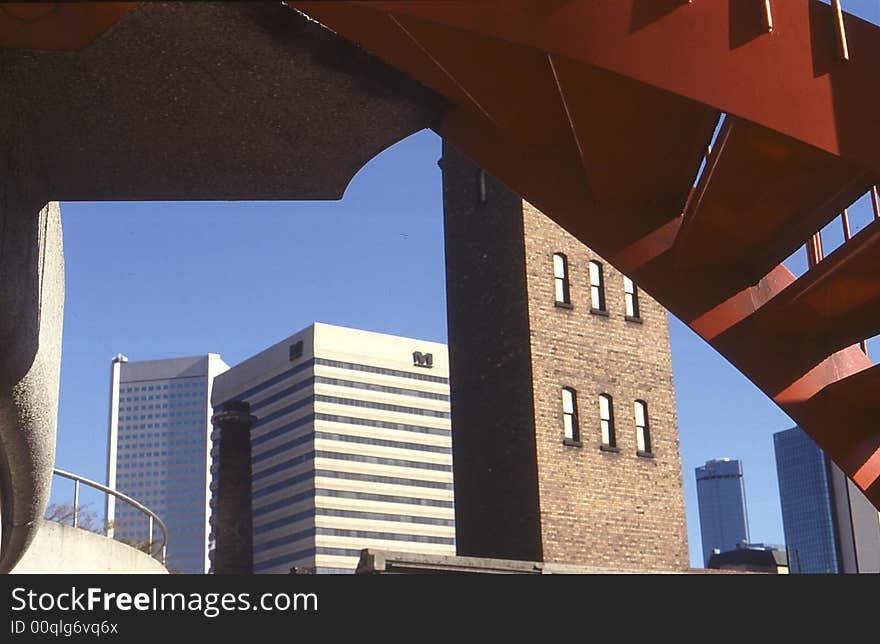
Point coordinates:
[(564, 423)]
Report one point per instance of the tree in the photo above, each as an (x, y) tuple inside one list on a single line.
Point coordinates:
[(63, 513), (85, 519)]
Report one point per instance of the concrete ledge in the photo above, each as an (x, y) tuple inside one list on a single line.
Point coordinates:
[(375, 562), (60, 548)]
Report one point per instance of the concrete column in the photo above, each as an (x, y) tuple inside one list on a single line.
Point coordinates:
[(31, 314), (233, 549)]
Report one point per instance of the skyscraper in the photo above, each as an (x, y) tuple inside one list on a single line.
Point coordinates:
[(351, 447), (830, 526), (563, 406), (721, 498), (158, 452)]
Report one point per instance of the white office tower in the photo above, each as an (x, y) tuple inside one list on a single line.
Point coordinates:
[(351, 449), (159, 453)]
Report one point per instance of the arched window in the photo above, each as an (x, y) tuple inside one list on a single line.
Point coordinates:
[(560, 278), (597, 287), (631, 298), (643, 431), (569, 415), (606, 420)]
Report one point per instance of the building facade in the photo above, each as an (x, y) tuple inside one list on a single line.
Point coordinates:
[(830, 526), (751, 557), (564, 422), (158, 452), (721, 497), (351, 447)]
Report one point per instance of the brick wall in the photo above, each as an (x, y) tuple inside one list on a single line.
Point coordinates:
[(493, 436), (601, 507), (520, 492)]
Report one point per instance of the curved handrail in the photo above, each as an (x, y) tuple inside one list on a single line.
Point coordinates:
[(77, 479)]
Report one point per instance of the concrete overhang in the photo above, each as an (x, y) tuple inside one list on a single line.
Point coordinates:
[(172, 101), (213, 100)]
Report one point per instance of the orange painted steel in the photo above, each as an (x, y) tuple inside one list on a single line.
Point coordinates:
[(843, 46), (716, 53), (57, 26), (600, 112), (847, 235)]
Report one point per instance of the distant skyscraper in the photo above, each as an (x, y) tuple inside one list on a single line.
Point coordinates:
[(351, 448), (721, 496), (830, 526), (159, 452)]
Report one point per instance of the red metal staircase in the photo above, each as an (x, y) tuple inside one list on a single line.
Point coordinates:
[(600, 113)]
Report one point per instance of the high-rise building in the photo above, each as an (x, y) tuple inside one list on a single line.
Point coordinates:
[(564, 422), (159, 452), (721, 497), (350, 449), (830, 526)]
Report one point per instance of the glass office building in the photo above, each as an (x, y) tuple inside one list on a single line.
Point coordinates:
[(159, 453), (805, 495), (722, 502), (351, 449), (830, 526)]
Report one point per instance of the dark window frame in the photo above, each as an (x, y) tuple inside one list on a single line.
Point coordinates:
[(611, 443), (631, 301), (598, 302), (648, 450), (575, 439), (564, 280)]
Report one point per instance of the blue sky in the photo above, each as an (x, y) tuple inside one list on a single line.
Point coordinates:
[(156, 280)]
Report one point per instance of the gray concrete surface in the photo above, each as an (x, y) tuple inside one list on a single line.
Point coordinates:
[(31, 315), (60, 548), (214, 100), (206, 100)]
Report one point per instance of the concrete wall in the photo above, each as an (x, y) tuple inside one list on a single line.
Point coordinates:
[(285, 132), (31, 314), (857, 525), (60, 548)]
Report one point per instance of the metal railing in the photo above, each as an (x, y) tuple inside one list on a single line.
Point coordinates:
[(843, 47), (153, 517), (815, 252)]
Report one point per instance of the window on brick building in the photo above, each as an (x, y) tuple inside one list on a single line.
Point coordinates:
[(597, 288), (643, 431), (631, 299), (606, 421), (560, 279), (570, 429), (482, 188)]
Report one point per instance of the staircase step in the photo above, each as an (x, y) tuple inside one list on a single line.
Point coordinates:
[(831, 306)]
